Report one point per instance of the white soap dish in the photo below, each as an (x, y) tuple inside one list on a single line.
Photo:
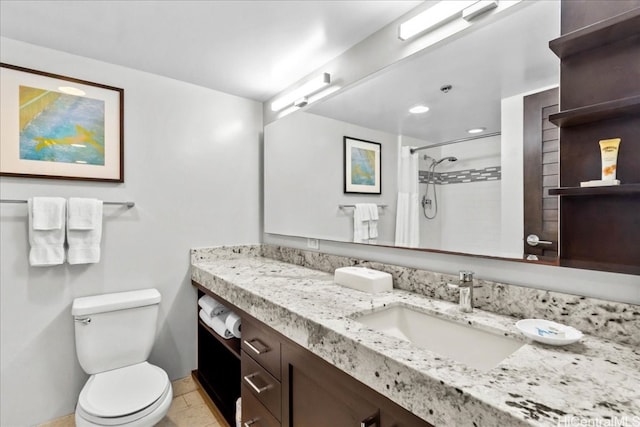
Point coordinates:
[(363, 279), (548, 332)]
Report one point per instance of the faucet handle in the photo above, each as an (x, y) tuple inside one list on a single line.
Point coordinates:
[(466, 276)]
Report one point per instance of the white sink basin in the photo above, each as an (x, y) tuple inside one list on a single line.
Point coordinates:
[(474, 347)]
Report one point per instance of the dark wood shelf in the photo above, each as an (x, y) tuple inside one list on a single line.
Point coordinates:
[(601, 33), (232, 344), (596, 112), (602, 266), (622, 189)]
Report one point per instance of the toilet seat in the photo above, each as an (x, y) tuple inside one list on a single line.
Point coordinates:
[(123, 395)]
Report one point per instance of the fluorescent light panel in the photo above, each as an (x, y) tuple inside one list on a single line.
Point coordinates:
[(436, 15), (310, 87), (478, 9)]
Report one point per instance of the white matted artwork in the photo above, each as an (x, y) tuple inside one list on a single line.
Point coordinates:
[(362, 173)]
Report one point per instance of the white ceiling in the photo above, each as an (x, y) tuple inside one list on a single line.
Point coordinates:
[(506, 57), (253, 49)]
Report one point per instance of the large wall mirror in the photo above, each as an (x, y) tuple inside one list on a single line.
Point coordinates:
[(467, 190)]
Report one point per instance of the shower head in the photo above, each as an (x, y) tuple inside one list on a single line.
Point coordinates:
[(450, 158)]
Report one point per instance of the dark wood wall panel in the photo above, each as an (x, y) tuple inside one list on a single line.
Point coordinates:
[(609, 72), (585, 12)]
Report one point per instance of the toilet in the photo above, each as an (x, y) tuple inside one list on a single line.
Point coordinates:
[(114, 336)]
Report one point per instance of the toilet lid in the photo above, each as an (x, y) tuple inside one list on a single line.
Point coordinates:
[(123, 391)]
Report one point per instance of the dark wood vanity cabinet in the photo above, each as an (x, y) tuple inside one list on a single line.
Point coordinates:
[(261, 368), (316, 394), (286, 385)]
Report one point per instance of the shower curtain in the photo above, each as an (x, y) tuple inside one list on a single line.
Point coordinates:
[(407, 228)]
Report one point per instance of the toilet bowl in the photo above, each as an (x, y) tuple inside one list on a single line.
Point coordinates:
[(137, 395), (114, 336)]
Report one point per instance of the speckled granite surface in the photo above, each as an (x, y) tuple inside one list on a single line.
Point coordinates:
[(537, 385), (611, 320)]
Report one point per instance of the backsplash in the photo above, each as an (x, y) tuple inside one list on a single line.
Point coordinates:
[(615, 321)]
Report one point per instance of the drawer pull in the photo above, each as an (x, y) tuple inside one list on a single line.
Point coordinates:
[(254, 348), (250, 423), (371, 421), (247, 379)]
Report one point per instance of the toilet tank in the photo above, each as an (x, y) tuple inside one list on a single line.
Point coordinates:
[(115, 330)]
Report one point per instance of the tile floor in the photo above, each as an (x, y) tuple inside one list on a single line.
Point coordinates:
[(188, 409)]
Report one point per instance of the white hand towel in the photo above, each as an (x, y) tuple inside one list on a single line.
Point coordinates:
[(83, 214), (48, 213), (373, 222), (211, 307), (47, 245), (361, 216), (84, 244), (217, 323)]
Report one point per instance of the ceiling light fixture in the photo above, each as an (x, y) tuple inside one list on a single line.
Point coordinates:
[(419, 109), (476, 130), (309, 88), (436, 15), (478, 9)]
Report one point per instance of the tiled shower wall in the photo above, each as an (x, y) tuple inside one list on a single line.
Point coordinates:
[(469, 212)]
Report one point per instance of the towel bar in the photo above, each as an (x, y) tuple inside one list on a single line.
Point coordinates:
[(127, 204), (353, 206)]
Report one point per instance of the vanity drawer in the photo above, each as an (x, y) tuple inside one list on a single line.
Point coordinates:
[(262, 385), (262, 345), (254, 414)]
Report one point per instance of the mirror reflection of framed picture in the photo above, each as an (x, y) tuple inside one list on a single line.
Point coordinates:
[(362, 166), (59, 127)]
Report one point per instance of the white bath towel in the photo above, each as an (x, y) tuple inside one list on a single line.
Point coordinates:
[(211, 307), (361, 216), (217, 323), (84, 243), (373, 222), (47, 244)]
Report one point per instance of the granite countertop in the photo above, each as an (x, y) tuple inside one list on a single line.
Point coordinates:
[(541, 385)]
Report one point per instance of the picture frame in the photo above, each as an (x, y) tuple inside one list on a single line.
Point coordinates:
[(362, 171), (60, 127)]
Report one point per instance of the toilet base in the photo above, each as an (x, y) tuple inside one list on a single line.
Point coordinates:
[(147, 421)]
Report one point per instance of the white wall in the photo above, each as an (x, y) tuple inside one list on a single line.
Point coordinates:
[(304, 181), (193, 167)]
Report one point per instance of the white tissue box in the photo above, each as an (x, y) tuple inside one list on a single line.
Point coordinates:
[(363, 279)]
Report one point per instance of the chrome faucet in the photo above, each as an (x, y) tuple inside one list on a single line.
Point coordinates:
[(465, 284)]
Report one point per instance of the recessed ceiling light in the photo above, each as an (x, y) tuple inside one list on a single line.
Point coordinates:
[(476, 130), (419, 109)]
